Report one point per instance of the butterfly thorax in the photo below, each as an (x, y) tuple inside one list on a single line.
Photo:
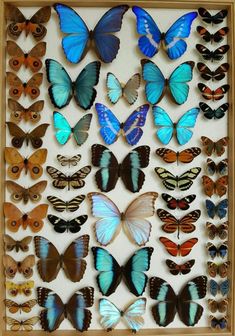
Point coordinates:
[(163, 36), (24, 217), (91, 34), (119, 169), (24, 85), (122, 216), (65, 311), (121, 313)]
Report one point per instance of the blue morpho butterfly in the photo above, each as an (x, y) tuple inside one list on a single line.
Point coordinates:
[(156, 83), (219, 251), (75, 310), (222, 287), (64, 130), (220, 209), (169, 302), (62, 88), (111, 128), (75, 44), (111, 273), (173, 42), (181, 128)]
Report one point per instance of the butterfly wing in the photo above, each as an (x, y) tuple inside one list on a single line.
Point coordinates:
[(133, 314), (16, 162), (17, 133), (187, 155), (63, 129), (165, 124), (18, 58), (186, 179), (10, 265), (114, 88), (33, 58), (32, 86), (12, 13), (187, 121), (13, 215), (36, 134), (16, 85), (35, 23), (131, 87), (80, 131), (35, 216), (168, 155), (35, 162), (26, 266), (168, 179), (110, 314)]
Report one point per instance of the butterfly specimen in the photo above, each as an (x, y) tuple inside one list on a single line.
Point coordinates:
[(152, 38), (176, 269), (75, 310), (17, 87), (20, 288), (15, 307), (219, 187), (34, 25), (16, 325), (174, 203), (219, 251), (157, 84), (221, 305), (212, 55), (18, 245), (185, 156), (217, 113), (216, 288), (207, 74), (220, 168), (169, 302), (72, 225), (213, 231), (133, 220), (178, 249), (20, 136), (64, 130), (25, 266), (184, 224), (167, 127), (62, 89), (220, 209), (31, 113), (131, 129), (132, 315), (16, 218), (71, 206), (111, 274), (116, 90), (30, 59), (70, 161), (19, 193), (79, 38), (216, 37), (220, 269), (183, 182), (213, 95), (50, 261), (32, 164), (75, 181), (212, 19), (129, 170), (218, 323), (217, 147)]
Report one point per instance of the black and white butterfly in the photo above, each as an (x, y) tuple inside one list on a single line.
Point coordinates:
[(61, 225), (217, 113), (212, 19), (68, 160), (71, 206), (212, 55)]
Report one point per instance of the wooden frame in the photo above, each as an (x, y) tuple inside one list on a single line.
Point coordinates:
[(209, 4)]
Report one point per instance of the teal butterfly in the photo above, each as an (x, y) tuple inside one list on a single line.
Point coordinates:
[(64, 130)]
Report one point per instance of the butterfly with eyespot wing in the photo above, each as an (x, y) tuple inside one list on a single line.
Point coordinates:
[(75, 310), (19, 193), (182, 203), (217, 113), (218, 147), (176, 269), (216, 288), (220, 269), (17, 87), (33, 218), (71, 206), (220, 168), (14, 289), (30, 59), (71, 261), (169, 303), (178, 250), (216, 37), (219, 251), (33, 25), (31, 113), (221, 305), (185, 156), (25, 267), (207, 74), (212, 55), (212, 19), (213, 95), (76, 180), (213, 231), (15, 307), (218, 323), (17, 245), (68, 160), (220, 209), (16, 325), (219, 187), (72, 225)]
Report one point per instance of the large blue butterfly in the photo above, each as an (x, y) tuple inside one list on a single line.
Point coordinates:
[(75, 44), (62, 88), (215, 287), (220, 209), (149, 44), (167, 127), (156, 84), (111, 128)]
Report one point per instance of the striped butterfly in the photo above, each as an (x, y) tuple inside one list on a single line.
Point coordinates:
[(71, 206), (68, 160)]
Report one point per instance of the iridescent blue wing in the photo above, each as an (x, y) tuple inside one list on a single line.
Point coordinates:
[(222, 208), (80, 130), (110, 314), (211, 208), (213, 287), (224, 287), (187, 121), (63, 129), (114, 88), (162, 119), (133, 314)]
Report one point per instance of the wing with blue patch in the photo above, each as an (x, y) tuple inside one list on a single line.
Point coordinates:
[(165, 124), (114, 88), (220, 209), (215, 287), (184, 125), (110, 314), (133, 314)]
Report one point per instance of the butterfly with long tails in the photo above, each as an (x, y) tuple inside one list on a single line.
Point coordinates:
[(157, 85), (24, 307), (220, 306), (79, 38), (217, 251), (213, 95), (71, 206), (11, 244), (62, 88), (75, 310), (169, 303), (152, 38), (218, 187), (212, 19), (167, 127), (212, 55), (24, 267), (214, 231), (19, 193), (185, 156), (215, 114), (222, 288), (218, 147), (175, 203), (31, 113), (61, 225), (131, 129), (23, 325), (220, 209), (220, 168), (111, 274), (178, 249), (176, 269), (71, 261), (215, 37), (14, 289), (30, 88), (207, 74), (133, 220)]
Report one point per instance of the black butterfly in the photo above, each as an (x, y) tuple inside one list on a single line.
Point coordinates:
[(182, 203), (216, 37), (207, 74), (215, 55), (71, 206), (72, 225), (220, 168), (212, 19), (176, 269), (217, 113)]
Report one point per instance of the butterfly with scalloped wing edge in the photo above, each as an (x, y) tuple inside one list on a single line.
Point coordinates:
[(213, 231), (14, 289), (217, 251), (71, 206), (212, 19), (61, 225), (15, 307), (31, 113), (220, 209), (30, 88), (185, 156), (65, 160), (212, 55), (11, 244), (178, 249), (220, 168), (176, 203), (24, 267), (25, 325), (218, 323), (217, 147), (217, 37), (19, 193), (207, 74), (176, 269), (213, 95), (220, 306), (214, 269), (222, 288), (215, 114), (218, 187)]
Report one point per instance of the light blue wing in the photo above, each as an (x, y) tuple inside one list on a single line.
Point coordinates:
[(134, 314), (110, 314), (162, 119), (211, 208), (222, 208), (213, 287), (63, 129), (81, 129), (114, 88), (224, 287), (187, 121)]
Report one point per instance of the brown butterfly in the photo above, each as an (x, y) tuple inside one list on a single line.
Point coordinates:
[(221, 230), (217, 147), (221, 306), (11, 244), (33, 218), (216, 37), (19, 136), (209, 94), (68, 160), (14, 289), (26, 325), (29, 59), (185, 156), (176, 269), (30, 113), (208, 74), (15, 307), (32, 164), (25, 266), (218, 187), (32, 25), (17, 87), (19, 193), (220, 168), (220, 269)]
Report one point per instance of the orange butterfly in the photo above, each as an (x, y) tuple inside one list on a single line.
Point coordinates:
[(209, 94), (210, 146), (218, 187), (32, 164), (176, 249), (25, 266), (14, 289), (15, 307), (220, 269), (33, 218), (30, 113), (185, 156), (17, 87)]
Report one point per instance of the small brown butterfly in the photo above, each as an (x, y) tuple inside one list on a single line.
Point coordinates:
[(26, 325), (19, 193), (14, 289), (11, 244), (170, 156), (30, 113), (221, 230), (219, 187), (218, 147), (220, 269), (176, 269), (17, 87), (25, 266), (15, 307), (221, 306), (68, 160)]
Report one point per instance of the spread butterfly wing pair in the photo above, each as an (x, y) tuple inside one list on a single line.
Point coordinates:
[(182, 203), (30, 88), (61, 225), (220, 209), (19, 193), (132, 315), (217, 113), (25, 266), (156, 83), (50, 261), (24, 307), (220, 168), (218, 323), (169, 303), (213, 231), (19, 288), (18, 245), (116, 90), (68, 160), (31, 113), (207, 74), (212, 55), (75, 310), (222, 288), (213, 95), (217, 37), (111, 274), (26, 325), (219, 187), (131, 129), (16, 219), (217, 251), (212, 19), (217, 147), (129, 170), (178, 250), (220, 306), (64, 130), (218, 269), (173, 40), (133, 220), (176, 269), (185, 156), (71, 206), (62, 89), (167, 127)]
